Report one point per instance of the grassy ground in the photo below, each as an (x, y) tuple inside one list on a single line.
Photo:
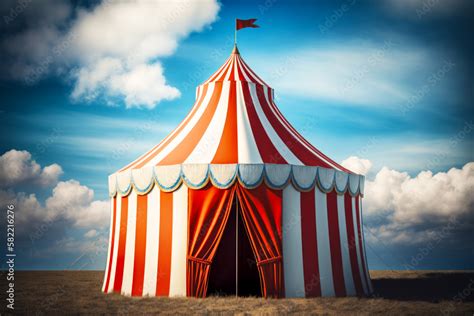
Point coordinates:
[(396, 293)]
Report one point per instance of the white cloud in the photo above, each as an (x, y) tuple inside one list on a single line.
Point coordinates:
[(357, 165), (111, 50), (70, 203), (405, 209), (142, 85), (75, 202), (17, 167), (28, 209)]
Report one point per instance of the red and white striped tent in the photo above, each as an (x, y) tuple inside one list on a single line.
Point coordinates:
[(235, 150)]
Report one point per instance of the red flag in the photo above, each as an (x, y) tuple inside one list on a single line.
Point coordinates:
[(240, 24)]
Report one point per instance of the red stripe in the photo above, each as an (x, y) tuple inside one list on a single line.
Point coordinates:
[(252, 73), (352, 244), (232, 69), (265, 147), (140, 246), (112, 244), (227, 152), (361, 248), (335, 244), (293, 144), (121, 245), (301, 138), (312, 282), (239, 71), (166, 237)]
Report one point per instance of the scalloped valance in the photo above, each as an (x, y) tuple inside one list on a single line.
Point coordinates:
[(196, 176)]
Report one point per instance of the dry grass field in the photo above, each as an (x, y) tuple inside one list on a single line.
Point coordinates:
[(396, 293)]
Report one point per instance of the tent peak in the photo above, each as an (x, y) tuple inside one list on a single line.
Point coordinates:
[(235, 50)]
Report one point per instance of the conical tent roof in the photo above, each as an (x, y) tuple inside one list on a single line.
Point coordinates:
[(234, 121)]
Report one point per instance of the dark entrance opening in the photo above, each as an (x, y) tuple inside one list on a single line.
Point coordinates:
[(222, 277)]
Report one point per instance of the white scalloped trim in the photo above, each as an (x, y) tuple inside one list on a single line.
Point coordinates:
[(251, 175), (124, 182), (354, 184), (304, 178), (168, 178), (223, 176), (277, 176), (196, 176), (143, 179), (341, 179), (112, 184), (326, 179), (361, 184)]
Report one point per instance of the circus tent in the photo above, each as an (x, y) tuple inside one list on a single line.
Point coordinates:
[(236, 152)]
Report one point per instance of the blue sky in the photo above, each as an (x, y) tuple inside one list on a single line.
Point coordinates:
[(387, 82)]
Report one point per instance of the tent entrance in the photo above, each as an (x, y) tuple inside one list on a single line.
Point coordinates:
[(223, 275)]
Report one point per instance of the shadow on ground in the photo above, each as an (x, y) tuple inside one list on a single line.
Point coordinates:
[(426, 286)]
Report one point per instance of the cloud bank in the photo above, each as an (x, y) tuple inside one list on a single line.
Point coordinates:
[(112, 51), (18, 167), (69, 206), (408, 210)]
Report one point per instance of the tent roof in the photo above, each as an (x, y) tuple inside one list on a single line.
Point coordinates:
[(234, 121)]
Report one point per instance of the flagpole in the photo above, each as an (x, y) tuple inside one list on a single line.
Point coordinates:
[(235, 33)]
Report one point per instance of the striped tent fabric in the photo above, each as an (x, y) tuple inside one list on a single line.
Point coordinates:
[(234, 120), (236, 140)]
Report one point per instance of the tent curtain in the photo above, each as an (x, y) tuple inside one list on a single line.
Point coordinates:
[(261, 210), (262, 215), (209, 209)]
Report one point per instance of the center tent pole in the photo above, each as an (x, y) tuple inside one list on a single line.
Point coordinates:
[(236, 245), (235, 33)]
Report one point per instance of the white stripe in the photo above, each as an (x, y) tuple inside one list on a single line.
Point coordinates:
[(207, 146), (107, 268), (187, 128), (324, 248), (198, 92), (116, 241), (284, 151), (247, 147), (358, 250), (292, 244), (369, 282), (130, 244), (236, 71), (290, 130), (179, 242), (346, 261), (152, 242)]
